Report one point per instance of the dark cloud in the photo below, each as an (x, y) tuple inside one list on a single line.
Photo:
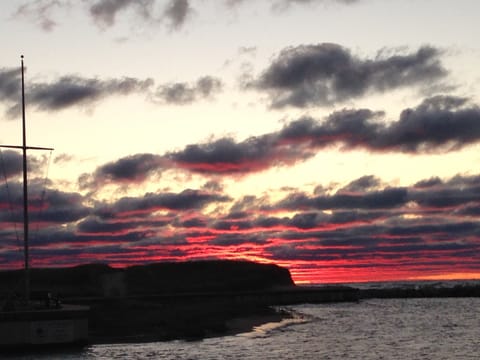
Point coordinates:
[(94, 225), (436, 125), (186, 200), (10, 82), (56, 241), (387, 199), (54, 206), (351, 128), (130, 169), (444, 198), (234, 225), (346, 219), (225, 156), (183, 93), (65, 92), (362, 184), (104, 12), (268, 222), (47, 205), (238, 239), (458, 191), (310, 75), (429, 182), (455, 229), (307, 220), (221, 157), (177, 12), (469, 210), (438, 122), (10, 89), (74, 90), (207, 86), (10, 163), (193, 223)]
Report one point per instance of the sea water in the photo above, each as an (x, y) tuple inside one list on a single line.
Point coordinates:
[(428, 328)]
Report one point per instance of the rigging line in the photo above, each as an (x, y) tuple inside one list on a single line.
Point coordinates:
[(42, 198)]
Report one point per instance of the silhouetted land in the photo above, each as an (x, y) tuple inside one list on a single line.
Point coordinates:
[(160, 278), (172, 300), (192, 299)]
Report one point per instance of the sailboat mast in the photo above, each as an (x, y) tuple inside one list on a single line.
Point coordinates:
[(25, 194), (24, 149)]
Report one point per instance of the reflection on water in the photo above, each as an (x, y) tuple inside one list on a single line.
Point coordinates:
[(437, 329)]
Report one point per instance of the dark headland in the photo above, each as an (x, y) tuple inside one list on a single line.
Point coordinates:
[(165, 301), (188, 300)]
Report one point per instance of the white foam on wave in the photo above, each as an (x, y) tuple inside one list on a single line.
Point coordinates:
[(267, 328)]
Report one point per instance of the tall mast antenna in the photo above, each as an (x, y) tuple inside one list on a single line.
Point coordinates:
[(24, 149), (25, 194)]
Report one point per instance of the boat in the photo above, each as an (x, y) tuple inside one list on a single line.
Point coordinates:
[(27, 323)]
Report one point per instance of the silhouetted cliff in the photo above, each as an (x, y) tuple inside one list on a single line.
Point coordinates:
[(152, 279), (205, 276)]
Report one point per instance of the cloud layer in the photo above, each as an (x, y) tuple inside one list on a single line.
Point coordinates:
[(364, 226)]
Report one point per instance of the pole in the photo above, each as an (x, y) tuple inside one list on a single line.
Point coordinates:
[(25, 194)]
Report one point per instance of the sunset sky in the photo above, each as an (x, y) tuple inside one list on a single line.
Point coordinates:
[(337, 138)]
